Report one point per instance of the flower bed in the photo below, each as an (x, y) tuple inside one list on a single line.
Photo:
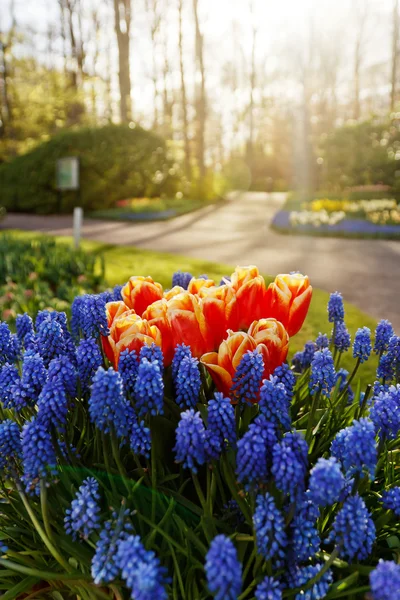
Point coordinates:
[(358, 218), (160, 447), (38, 273)]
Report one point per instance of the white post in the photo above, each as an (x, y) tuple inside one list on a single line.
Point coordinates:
[(78, 218)]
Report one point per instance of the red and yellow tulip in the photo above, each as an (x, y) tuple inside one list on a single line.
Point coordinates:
[(140, 292), (288, 300)]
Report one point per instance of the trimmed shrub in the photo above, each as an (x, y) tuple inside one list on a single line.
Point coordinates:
[(116, 162)]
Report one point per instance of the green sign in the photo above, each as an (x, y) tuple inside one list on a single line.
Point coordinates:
[(67, 172)]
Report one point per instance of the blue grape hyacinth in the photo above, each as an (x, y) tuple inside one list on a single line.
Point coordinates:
[(385, 413), (105, 566), (285, 375), (299, 576), (335, 308), (190, 440), (63, 370), (9, 377), (24, 325), (274, 402), (140, 439), (391, 500), (322, 341), (323, 375), (141, 570), (188, 383), (268, 589), (149, 389), (254, 452), (108, 407), (326, 481), (290, 463), (7, 347), (305, 539), (53, 404), (383, 333), (83, 518), (50, 340), (181, 351), (269, 527), (221, 419), (89, 359), (353, 530), (182, 279), (385, 580), (38, 454), (356, 448), (128, 366), (152, 353), (223, 569), (10, 444), (248, 377), (341, 337), (362, 344)]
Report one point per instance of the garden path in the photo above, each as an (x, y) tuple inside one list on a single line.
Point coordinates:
[(367, 272)]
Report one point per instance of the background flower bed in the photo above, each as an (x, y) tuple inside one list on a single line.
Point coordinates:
[(373, 217)]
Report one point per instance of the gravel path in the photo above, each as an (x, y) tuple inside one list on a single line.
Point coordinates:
[(367, 272)]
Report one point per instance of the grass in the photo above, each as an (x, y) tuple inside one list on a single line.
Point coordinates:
[(151, 209), (122, 262), (317, 232)]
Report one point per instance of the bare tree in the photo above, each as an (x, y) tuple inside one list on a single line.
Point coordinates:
[(153, 9), (395, 54), (6, 42), (361, 8), (200, 94), (186, 141), (250, 143), (122, 12)]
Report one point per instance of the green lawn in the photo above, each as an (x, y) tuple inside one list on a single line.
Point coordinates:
[(122, 261)]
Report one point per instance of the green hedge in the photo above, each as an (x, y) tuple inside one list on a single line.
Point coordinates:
[(362, 154), (116, 162)]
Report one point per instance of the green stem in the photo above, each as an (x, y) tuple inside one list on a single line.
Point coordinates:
[(107, 464), (153, 481), (45, 509), (45, 575), (120, 466), (41, 532), (311, 415), (349, 381)]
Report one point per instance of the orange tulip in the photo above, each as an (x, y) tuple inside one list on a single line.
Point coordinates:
[(114, 310), (288, 299), (177, 289), (249, 286), (140, 292), (156, 314), (222, 365), (195, 285), (188, 324), (220, 310), (130, 332), (273, 341)]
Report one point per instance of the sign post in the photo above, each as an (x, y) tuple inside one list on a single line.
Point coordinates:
[(67, 179)]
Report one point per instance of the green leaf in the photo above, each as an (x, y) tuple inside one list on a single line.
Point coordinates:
[(22, 586)]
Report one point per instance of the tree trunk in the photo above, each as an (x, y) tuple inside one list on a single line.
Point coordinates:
[(186, 142), (122, 10), (200, 97), (250, 145), (395, 51)]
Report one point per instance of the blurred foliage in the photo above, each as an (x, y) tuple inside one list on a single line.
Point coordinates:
[(363, 154), (116, 162), (42, 102), (38, 273)]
